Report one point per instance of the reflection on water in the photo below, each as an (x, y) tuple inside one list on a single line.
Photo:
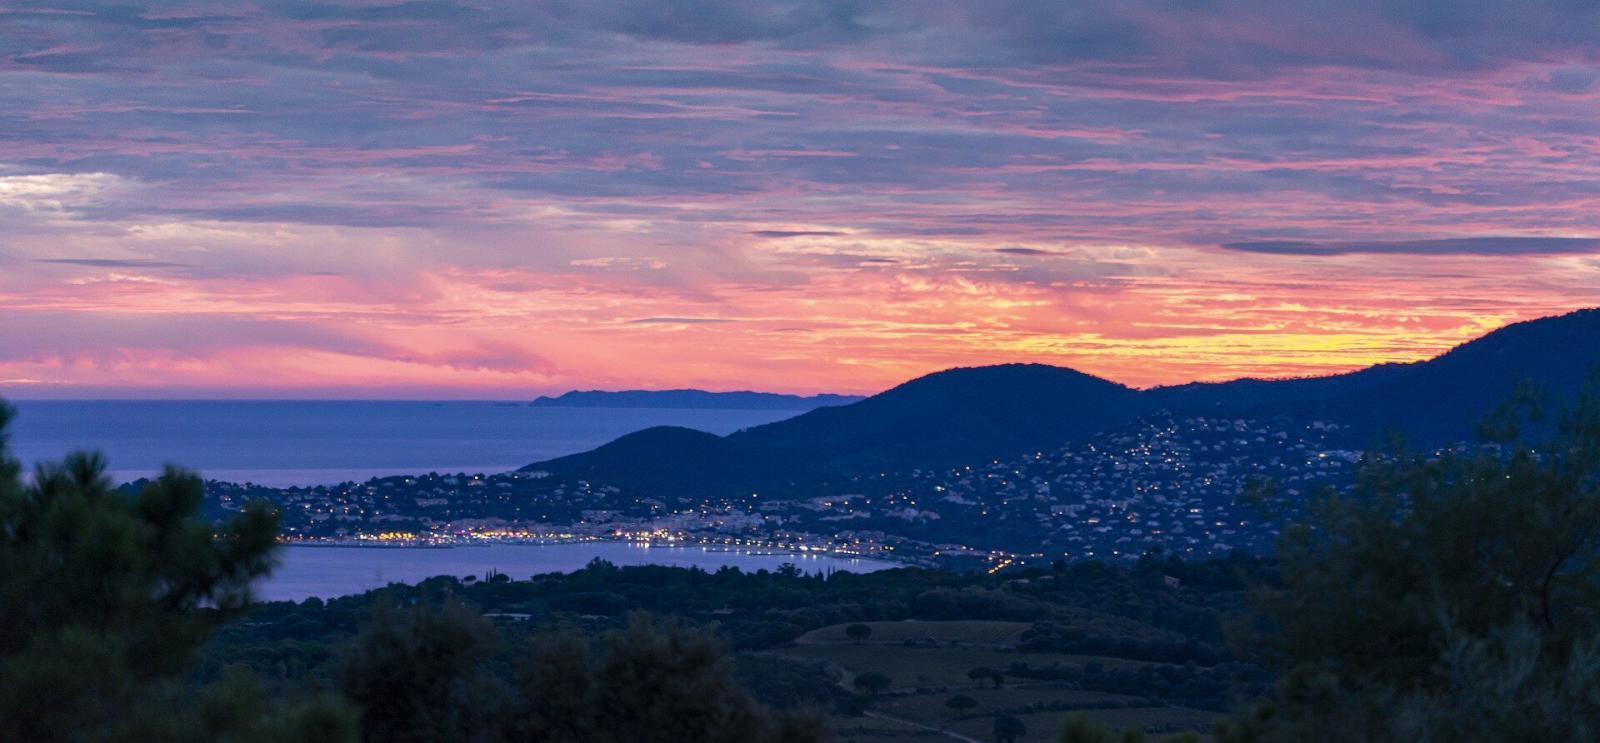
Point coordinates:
[(326, 572)]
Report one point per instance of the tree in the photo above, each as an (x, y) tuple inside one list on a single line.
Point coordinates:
[(872, 682), (1464, 581), (985, 673), (1080, 729), (663, 683), (979, 674), (418, 675), (238, 710), (961, 703), (858, 631), (1008, 729), (106, 596), (556, 681)]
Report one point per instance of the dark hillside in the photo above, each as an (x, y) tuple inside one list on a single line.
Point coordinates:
[(674, 459), (951, 417), (974, 415), (1431, 402)]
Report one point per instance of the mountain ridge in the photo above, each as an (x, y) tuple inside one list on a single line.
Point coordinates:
[(686, 458), (968, 415), (965, 413)]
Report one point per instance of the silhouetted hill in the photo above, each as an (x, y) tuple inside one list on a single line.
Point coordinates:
[(672, 458), (692, 399), (971, 415), (955, 416), (1431, 402)]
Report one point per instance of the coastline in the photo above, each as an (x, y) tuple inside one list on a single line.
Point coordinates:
[(753, 548)]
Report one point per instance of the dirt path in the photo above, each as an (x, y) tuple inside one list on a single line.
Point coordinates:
[(915, 724)]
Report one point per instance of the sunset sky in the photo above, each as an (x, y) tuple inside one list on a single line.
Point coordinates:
[(444, 199)]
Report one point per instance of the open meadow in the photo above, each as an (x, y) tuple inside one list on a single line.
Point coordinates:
[(953, 679)]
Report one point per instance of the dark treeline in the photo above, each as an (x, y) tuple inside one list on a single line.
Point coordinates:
[(1447, 598), (1084, 609)]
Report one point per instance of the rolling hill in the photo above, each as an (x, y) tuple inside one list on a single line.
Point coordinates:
[(675, 459), (970, 415), (954, 416), (1430, 402)]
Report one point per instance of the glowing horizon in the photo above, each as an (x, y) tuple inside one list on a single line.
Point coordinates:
[(434, 200)]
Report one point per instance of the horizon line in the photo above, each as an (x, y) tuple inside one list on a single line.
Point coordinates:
[(7, 394)]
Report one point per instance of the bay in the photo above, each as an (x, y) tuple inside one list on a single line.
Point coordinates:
[(329, 571)]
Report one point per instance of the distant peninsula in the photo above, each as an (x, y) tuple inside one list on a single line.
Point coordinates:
[(692, 399)]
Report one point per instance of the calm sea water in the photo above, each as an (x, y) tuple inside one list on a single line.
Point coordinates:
[(326, 572), (284, 443)]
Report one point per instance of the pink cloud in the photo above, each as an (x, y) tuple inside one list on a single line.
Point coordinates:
[(484, 199)]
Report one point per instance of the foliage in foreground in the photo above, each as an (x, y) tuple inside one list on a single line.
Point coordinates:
[(423, 675), (105, 599), (1447, 598), (1450, 598)]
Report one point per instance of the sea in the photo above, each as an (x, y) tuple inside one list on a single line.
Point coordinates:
[(290, 443), (283, 443)]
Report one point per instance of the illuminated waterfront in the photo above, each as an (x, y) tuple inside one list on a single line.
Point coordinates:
[(328, 571)]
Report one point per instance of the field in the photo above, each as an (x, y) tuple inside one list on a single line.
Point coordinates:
[(945, 666), (1044, 727), (970, 633), (1010, 700), (880, 730), (927, 664)]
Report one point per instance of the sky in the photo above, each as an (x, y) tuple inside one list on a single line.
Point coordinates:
[(454, 199)]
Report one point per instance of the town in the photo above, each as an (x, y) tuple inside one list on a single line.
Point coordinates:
[(1167, 484)]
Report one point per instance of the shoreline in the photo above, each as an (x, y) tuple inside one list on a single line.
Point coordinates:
[(663, 542)]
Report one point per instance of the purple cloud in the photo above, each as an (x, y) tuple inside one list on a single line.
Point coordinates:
[(781, 234), (385, 168), (1444, 246), (113, 263)]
